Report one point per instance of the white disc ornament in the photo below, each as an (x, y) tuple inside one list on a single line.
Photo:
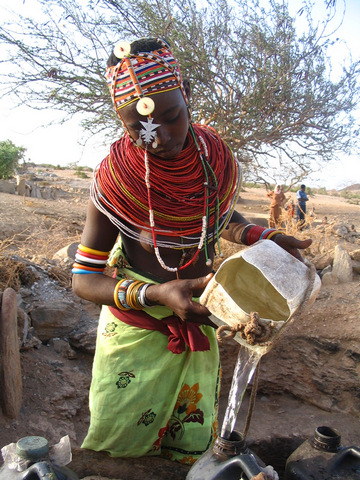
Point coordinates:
[(145, 106)]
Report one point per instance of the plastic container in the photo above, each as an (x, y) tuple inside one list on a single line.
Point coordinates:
[(227, 460), (31, 462), (265, 279), (322, 457)]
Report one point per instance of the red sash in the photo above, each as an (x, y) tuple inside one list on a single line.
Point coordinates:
[(180, 333)]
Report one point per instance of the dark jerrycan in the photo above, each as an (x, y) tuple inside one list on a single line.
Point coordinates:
[(227, 460), (33, 463), (322, 457)]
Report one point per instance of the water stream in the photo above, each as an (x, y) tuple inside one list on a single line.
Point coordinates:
[(244, 369)]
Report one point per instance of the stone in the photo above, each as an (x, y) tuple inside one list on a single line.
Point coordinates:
[(329, 279), (317, 362), (342, 265), (7, 187), (323, 260), (54, 319), (340, 229), (66, 253), (356, 266), (21, 186), (10, 367), (326, 270), (355, 255)]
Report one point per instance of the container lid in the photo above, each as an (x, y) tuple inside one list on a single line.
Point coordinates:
[(32, 448)]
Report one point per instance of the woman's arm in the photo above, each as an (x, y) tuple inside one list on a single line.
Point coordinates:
[(100, 234), (291, 244)]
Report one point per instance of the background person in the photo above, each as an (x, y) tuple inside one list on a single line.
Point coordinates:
[(277, 201), (301, 198)]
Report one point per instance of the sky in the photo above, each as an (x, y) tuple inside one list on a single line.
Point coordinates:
[(60, 144)]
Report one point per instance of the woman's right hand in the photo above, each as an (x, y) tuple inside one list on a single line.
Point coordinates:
[(177, 295)]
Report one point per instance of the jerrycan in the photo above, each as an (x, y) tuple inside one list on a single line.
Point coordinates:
[(265, 279), (229, 459), (322, 457), (31, 462)]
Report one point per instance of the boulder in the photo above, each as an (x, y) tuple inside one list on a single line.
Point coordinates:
[(342, 265), (54, 319)]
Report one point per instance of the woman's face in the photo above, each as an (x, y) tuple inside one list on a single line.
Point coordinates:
[(171, 113)]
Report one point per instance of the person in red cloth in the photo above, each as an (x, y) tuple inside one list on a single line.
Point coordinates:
[(277, 201), (159, 203)]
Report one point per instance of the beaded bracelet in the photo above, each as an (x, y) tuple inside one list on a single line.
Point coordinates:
[(121, 304)]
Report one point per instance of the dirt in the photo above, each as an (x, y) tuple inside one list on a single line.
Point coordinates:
[(56, 384)]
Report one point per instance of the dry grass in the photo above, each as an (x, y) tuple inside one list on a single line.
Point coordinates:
[(37, 247)]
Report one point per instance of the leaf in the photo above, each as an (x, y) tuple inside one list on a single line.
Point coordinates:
[(195, 417)]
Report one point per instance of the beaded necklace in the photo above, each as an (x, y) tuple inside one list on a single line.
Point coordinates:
[(186, 197)]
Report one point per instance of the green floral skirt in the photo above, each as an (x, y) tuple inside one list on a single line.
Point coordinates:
[(146, 400)]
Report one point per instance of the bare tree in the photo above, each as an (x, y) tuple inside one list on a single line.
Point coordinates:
[(269, 92)]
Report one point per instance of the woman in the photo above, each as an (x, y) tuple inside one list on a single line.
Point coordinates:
[(163, 196), (277, 201)]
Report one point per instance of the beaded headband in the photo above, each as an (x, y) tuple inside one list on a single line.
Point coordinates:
[(142, 74)]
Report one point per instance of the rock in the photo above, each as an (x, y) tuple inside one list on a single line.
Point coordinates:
[(356, 266), (7, 187), (318, 362), (326, 270), (54, 319), (10, 368), (323, 260), (66, 253), (342, 265), (329, 279), (83, 337), (355, 255), (85, 462), (21, 186), (340, 229)]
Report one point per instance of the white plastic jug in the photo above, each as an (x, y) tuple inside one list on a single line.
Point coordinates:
[(265, 279)]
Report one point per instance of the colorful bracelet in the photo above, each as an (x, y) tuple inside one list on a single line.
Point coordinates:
[(265, 233), (81, 271), (274, 232), (244, 232), (91, 251), (132, 297), (254, 234), (120, 295), (142, 295)]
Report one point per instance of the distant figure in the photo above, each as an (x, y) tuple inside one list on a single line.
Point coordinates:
[(352, 228), (290, 208), (301, 198), (324, 221), (277, 200), (312, 212)]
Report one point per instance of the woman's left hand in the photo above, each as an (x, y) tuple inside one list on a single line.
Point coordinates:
[(292, 244)]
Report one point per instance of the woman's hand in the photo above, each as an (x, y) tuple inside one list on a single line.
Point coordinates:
[(292, 244), (177, 295)]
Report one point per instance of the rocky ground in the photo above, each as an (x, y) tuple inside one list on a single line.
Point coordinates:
[(309, 378)]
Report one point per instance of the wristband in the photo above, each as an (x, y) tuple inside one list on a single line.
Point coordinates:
[(274, 232)]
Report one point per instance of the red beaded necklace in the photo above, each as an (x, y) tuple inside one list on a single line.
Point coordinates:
[(187, 195)]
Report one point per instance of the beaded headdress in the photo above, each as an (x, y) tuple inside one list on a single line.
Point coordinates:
[(142, 74)]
